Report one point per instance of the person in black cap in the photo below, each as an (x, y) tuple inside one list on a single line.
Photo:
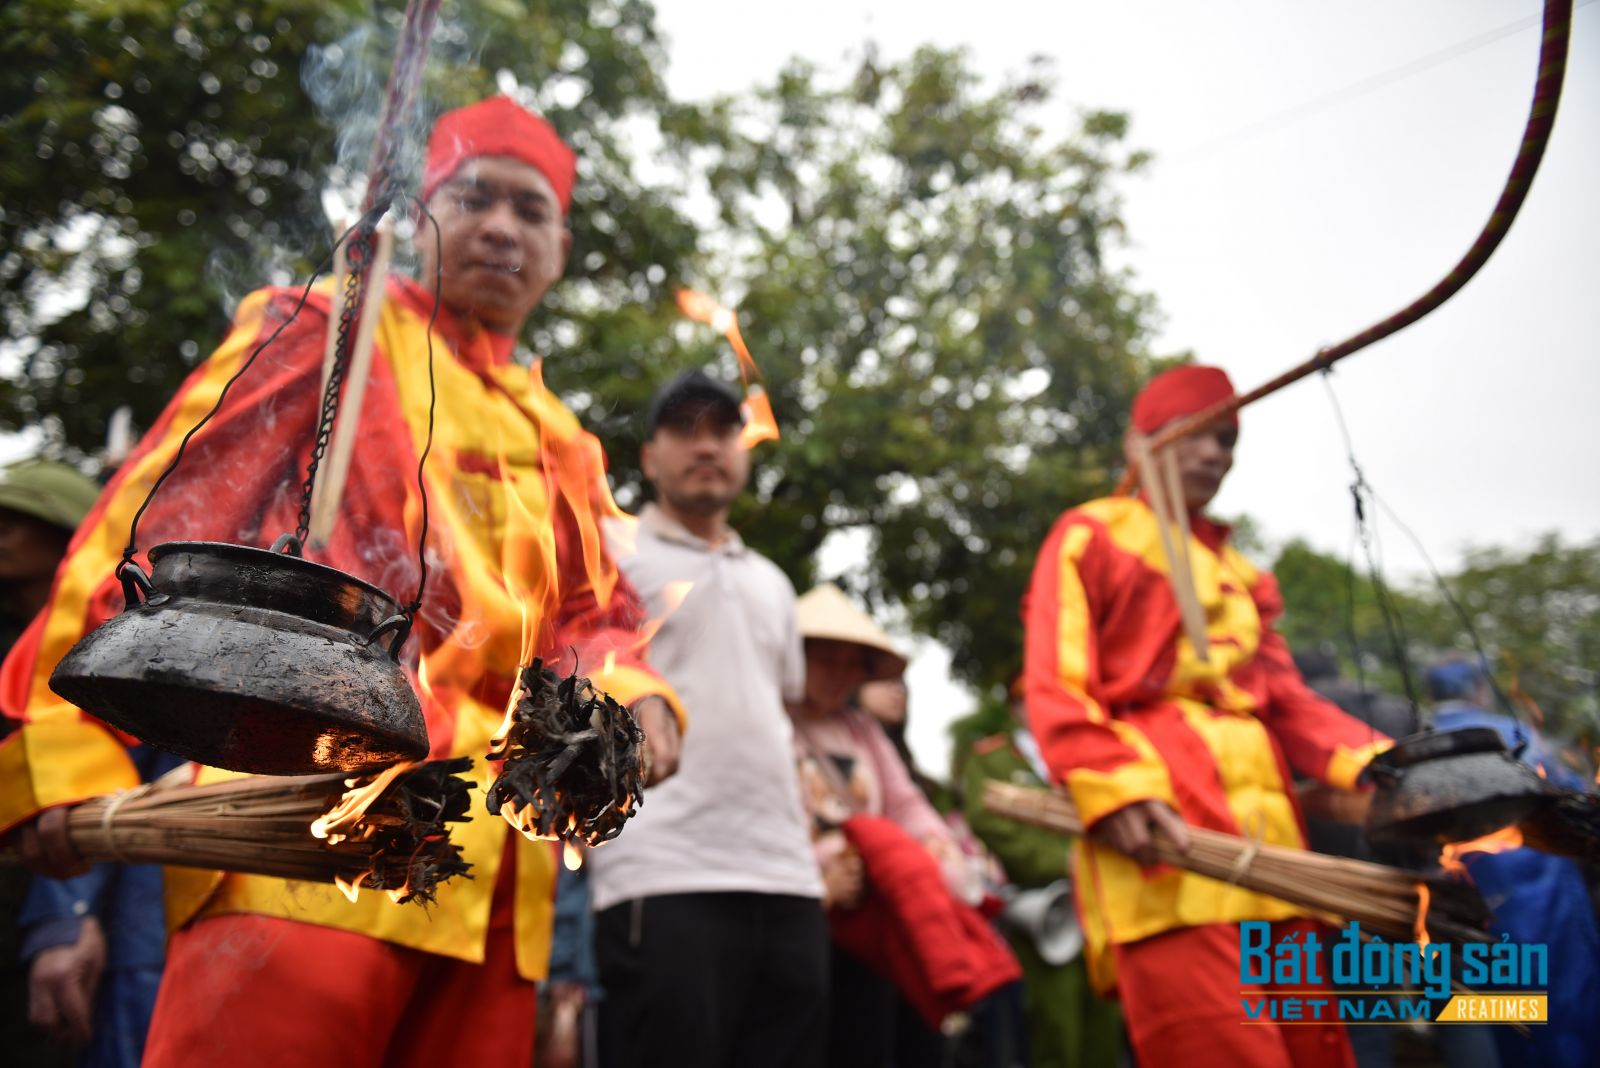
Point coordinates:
[(710, 933)]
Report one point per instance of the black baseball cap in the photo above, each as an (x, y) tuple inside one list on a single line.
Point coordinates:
[(690, 397)]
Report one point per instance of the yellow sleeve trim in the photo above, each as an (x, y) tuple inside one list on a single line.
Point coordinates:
[(629, 684), (1100, 793), (1346, 764)]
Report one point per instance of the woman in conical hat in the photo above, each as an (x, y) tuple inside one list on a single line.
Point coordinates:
[(849, 767)]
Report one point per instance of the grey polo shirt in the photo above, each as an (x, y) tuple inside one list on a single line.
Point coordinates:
[(731, 819)]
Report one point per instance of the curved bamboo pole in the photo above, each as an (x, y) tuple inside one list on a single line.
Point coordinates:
[(1557, 30)]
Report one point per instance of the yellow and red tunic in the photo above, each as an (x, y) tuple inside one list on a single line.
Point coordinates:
[(1124, 711), (515, 492)]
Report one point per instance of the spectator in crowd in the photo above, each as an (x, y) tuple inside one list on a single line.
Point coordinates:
[(850, 771), (41, 504), (712, 939)]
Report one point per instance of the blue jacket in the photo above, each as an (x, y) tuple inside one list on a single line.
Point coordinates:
[(1540, 898), (126, 898)]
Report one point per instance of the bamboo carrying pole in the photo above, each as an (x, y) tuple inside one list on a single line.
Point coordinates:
[(1556, 32), (330, 348), (1381, 898)]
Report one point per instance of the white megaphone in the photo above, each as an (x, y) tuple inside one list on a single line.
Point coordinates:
[(1046, 916)]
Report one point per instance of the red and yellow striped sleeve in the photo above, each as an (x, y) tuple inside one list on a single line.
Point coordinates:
[(1319, 738), (1105, 764)]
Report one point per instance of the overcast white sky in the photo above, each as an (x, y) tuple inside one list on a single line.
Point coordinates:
[(1318, 167)]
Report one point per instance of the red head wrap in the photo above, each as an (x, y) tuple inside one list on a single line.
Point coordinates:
[(498, 126), (1179, 392)]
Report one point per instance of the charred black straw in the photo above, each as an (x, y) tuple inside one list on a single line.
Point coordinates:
[(574, 760)]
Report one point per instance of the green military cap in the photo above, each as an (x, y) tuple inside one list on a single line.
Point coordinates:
[(49, 491)]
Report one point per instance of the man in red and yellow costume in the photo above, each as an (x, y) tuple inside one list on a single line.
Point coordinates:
[(1148, 736), (261, 971)]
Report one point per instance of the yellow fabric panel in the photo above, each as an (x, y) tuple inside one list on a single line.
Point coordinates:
[(1257, 795), (185, 892), (1100, 961), (479, 434), (536, 907), (59, 760), (1131, 525), (1073, 634), (1233, 626)]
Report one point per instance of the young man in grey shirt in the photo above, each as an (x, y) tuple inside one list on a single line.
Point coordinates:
[(711, 937)]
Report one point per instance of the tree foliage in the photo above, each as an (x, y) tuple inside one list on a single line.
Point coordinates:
[(924, 280), (1536, 612)]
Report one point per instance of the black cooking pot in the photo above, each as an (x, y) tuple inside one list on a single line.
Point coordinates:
[(1450, 786), (252, 660)]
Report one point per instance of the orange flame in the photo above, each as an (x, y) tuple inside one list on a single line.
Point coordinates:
[(571, 857), (343, 816), (760, 424), (1450, 858), (349, 888), (1420, 930)]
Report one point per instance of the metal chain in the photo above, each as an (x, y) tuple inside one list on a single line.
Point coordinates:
[(359, 254)]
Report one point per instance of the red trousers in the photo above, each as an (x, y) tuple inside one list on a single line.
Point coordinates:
[(247, 991), (1182, 1001)]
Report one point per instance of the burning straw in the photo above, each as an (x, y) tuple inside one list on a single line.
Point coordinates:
[(1394, 903), (574, 760), (385, 831)]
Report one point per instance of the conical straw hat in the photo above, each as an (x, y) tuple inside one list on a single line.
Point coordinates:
[(825, 612)]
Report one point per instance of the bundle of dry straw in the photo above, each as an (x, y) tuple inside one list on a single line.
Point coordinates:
[(1387, 901), (384, 831)]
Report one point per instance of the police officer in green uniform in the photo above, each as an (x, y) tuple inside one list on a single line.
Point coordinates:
[(1068, 1025)]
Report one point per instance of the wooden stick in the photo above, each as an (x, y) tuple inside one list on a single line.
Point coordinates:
[(1167, 461), (329, 489), (330, 346), (1190, 614)]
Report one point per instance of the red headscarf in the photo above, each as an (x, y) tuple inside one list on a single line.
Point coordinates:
[(498, 126), (1179, 392)]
